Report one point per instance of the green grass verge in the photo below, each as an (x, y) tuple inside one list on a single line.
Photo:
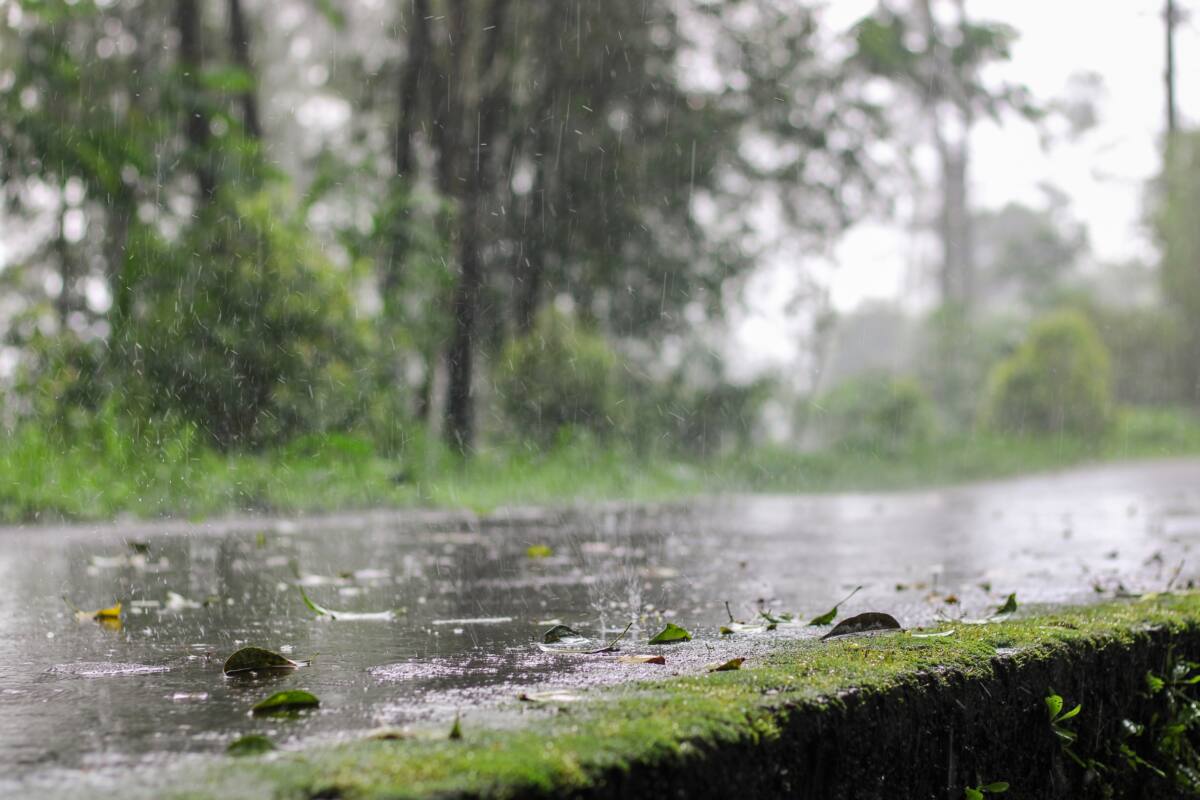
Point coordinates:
[(108, 471), (614, 731)]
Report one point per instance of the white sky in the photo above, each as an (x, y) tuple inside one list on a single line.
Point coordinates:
[(1104, 173)]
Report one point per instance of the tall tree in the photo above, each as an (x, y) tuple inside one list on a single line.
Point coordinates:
[(239, 43), (934, 55)]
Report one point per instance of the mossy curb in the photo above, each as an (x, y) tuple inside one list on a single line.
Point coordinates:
[(895, 716)]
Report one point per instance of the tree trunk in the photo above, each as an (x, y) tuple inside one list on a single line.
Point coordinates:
[(477, 185), (239, 41), (1170, 17), (189, 23)]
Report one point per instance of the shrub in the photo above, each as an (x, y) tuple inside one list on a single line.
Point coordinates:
[(1058, 381), (243, 328), (877, 412), (559, 375)]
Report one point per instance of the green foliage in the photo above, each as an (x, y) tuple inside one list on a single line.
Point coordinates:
[(877, 413), (1173, 732), (558, 376), (1150, 355), (1057, 382), (953, 356), (244, 329)]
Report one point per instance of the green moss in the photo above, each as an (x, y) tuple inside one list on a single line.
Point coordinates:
[(665, 723)]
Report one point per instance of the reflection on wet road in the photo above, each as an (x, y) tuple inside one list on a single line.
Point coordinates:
[(84, 699)]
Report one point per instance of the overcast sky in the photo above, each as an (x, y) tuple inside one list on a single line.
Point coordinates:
[(1104, 173)]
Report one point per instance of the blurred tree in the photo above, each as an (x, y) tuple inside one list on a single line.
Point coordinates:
[(1178, 231), (937, 57)]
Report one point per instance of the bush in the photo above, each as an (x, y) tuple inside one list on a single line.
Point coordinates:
[(877, 412), (559, 375), (1058, 381), (243, 328)]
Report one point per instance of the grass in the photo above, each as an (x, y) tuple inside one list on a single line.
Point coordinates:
[(675, 719), (109, 470)]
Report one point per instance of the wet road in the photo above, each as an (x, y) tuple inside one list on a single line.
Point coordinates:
[(82, 703)]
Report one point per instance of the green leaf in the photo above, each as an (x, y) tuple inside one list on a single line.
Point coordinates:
[(870, 622), (729, 666), (972, 794), (1154, 683), (1074, 712), (536, 551), (1054, 704), (456, 730), (560, 632), (561, 639), (829, 616), (256, 659), (1009, 606), (672, 634), (251, 745), (286, 702), (997, 787), (346, 616)]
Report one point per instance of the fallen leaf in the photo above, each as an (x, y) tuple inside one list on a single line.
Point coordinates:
[(557, 697), (937, 635), (536, 551), (729, 666), (560, 632), (455, 730), (830, 615), (346, 616), (250, 745), (256, 659), (870, 622), (286, 702), (642, 660), (672, 634), (388, 735), (110, 614), (1009, 606), (561, 639)]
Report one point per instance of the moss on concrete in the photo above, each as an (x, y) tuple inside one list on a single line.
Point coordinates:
[(888, 716)]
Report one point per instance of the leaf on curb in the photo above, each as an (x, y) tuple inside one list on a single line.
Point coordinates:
[(672, 634), (347, 616), (286, 702), (256, 659), (1008, 607), (253, 744), (870, 622), (642, 659), (936, 635), (729, 666), (829, 616), (555, 697)]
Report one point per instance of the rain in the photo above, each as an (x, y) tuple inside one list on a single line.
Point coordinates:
[(562, 398)]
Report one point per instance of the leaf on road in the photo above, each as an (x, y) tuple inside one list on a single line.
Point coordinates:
[(870, 622), (556, 697), (251, 745), (346, 616), (536, 551), (729, 666), (286, 702), (672, 634), (456, 730), (561, 639), (110, 614), (642, 659), (256, 659), (829, 616)]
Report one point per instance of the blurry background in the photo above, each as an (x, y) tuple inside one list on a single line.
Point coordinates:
[(323, 253)]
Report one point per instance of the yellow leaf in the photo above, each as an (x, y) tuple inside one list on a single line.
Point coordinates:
[(112, 612)]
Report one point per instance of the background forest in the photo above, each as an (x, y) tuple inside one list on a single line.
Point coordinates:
[(311, 254)]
